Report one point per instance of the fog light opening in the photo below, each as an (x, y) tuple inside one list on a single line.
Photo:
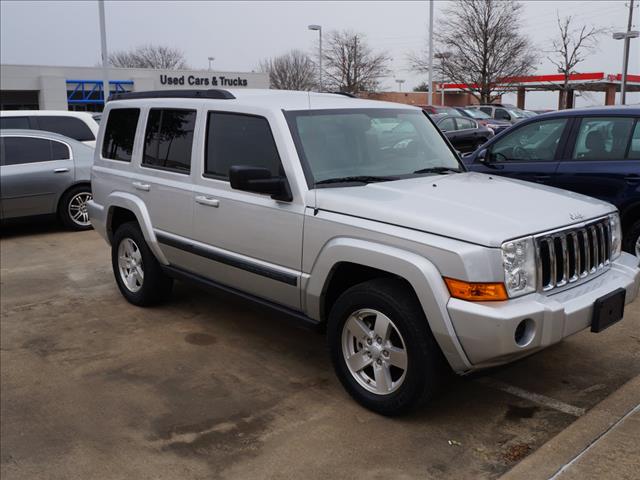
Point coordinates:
[(525, 331)]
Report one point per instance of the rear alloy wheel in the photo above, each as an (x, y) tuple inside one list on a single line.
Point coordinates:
[(138, 273), (73, 208)]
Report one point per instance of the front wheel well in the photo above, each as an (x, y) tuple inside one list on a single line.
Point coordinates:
[(345, 275), (629, 216)]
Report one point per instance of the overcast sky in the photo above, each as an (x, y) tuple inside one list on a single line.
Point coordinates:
[(240, 34)]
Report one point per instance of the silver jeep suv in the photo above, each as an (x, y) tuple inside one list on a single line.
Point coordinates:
[(355, 217)]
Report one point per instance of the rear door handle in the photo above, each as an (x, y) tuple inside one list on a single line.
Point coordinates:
[(61, 170), (208, 201), (541, 178), (145, 187)]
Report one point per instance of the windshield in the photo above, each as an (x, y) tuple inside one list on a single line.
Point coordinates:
[(516, 112), (473, 113), (385, 144)]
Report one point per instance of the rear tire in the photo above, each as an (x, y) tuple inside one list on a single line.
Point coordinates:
[(138, 274), (353, 334), (72, 209), (631, 239)]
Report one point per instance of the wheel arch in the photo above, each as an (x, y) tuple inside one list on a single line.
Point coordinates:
[(365, 260), (123, 207)]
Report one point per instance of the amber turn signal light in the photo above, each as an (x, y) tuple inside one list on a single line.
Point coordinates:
[(476, 292)]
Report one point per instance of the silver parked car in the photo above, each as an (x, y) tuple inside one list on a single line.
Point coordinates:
[(355, 217), (45, 173)]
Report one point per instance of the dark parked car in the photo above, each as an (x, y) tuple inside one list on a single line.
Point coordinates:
[(483, 119), (464, 133), (593, 151)]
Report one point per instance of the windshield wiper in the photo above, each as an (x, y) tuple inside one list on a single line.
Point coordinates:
[(440, 170), (356, 179)]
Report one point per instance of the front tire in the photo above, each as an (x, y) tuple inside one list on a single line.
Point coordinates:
[(382, 348), (138, 274)]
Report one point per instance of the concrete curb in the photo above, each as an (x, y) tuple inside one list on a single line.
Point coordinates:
[(545, 462)]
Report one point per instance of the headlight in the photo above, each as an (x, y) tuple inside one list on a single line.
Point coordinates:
[(616, 235), (519, 262)]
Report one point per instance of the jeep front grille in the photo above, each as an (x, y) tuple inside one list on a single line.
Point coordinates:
[(573, 255)]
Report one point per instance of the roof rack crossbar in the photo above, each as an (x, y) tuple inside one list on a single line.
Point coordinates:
[(212, 93)]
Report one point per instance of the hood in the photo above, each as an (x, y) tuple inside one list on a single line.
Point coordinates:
[(474, 207)]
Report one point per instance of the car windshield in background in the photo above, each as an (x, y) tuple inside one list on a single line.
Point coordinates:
[(517, 112), (367, 145), (478, 114)]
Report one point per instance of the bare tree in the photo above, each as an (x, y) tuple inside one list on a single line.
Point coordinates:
[(292, 71), (350, 65), (149, 56), (568, 50), (481, 48)]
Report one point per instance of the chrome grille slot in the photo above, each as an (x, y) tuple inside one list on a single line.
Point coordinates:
[(572, 255)]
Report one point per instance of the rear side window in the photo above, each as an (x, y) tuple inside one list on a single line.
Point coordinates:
[(120, 134), (68, 126), (168, 139), (22, 150), (15, 122), (602, 138), (237, 139)]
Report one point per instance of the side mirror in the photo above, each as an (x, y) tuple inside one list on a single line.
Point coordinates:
[(482, 156), (259, 180)]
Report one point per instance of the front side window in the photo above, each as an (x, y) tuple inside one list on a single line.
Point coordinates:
[(22, 150), (602, 138), (501, 114), (486, 110), (348, 143), (238, 139), (68, 126), (447, 125), (536, 141), (465, 124), (120, 133), (168, 139)]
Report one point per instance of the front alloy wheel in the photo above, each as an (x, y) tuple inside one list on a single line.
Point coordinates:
[(130, 265), (374, 351)]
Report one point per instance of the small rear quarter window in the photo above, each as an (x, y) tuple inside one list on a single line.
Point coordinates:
[(120, 132)]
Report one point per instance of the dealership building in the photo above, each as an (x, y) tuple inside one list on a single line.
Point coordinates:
[(39, 87)]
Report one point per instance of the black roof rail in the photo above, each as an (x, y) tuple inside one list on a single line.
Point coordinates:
[(212, 93), (345, 94)]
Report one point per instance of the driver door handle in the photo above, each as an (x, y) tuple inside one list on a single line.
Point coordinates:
[(541, 178), (145, 187), (61, 170), (632, 178), (208, 201)]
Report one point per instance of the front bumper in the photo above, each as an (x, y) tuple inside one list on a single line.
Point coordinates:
[(487, 330)]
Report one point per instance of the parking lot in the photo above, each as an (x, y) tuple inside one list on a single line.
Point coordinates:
[(208, 386)]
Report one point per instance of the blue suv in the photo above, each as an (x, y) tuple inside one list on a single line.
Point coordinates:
[(593, 151)]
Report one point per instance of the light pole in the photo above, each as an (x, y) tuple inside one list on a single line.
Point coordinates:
[(211, 59), (627, 36), (319, 29), (430, 96), (103, 45), (399, 82)]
